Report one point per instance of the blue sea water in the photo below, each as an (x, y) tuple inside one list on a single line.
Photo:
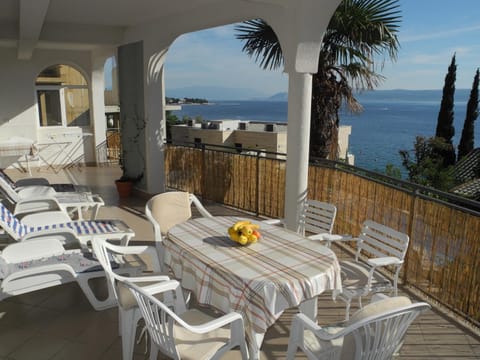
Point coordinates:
[(389, 123)]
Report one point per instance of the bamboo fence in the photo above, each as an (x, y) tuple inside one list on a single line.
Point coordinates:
[(443, 260)]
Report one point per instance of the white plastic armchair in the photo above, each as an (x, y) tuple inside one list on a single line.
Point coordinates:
[(186, 334), (168, 209), (378, 246), (128, 311), (375, 332)]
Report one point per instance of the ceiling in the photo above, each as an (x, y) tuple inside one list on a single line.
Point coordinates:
[(85, 24)]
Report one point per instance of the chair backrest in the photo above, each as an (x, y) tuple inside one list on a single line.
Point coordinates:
[(7, 187), (11, 225), (381, 241), (101, 248), (31, 250), (159, 318), (378, 336), (317, 217), (169, 209)]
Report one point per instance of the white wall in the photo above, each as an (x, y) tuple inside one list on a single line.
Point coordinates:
[(18, 104)]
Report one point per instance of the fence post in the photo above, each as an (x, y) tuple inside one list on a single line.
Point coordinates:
[(413, 205), (204, 194)]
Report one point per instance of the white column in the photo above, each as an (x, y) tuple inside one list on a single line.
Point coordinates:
[(298, 142), (155, 131), (99, 124)]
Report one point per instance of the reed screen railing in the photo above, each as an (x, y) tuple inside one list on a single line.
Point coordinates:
[(443, 260)]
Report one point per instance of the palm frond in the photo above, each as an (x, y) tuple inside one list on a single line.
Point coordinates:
[(261, 43)]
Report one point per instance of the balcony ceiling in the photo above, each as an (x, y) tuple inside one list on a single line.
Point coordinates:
[(86, 24)]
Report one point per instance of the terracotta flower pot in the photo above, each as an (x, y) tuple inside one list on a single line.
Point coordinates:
[(124, 188)]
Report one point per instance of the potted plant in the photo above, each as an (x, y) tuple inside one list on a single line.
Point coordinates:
[(125, 184), (132, 159)]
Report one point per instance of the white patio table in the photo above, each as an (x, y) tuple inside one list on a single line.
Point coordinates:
[(280, 271)]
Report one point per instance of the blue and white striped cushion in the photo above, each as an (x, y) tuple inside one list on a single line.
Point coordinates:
[(9, 220), (86, 227), (81, 227)]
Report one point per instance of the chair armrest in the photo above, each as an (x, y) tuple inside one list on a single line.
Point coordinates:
[(323, 333), (36, 271), (273, 221), (35, 191), (46, 218), (384, 261), (34, 205), (143, 279), (98, 199), (35, 181), (330, 237), (213, 324), (64, 236)]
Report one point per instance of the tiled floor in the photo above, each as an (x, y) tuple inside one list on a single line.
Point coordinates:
[(59, 323)]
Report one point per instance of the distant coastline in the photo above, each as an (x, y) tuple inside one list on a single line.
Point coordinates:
[(390, 121), (186, 101)]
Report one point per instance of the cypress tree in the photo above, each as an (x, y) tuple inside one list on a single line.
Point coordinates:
[(467, 140), (445, 127)]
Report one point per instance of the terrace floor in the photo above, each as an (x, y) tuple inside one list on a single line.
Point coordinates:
[(59, 323)]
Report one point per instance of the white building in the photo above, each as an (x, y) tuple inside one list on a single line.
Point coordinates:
[(270, 137)]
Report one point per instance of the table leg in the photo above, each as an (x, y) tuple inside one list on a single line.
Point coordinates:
[(309, 307)]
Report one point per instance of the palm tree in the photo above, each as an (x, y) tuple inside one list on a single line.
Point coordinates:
[(359, 34)]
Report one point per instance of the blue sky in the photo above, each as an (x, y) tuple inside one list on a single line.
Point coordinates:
[(431, 32)]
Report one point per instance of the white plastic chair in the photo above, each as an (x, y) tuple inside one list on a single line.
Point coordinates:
[(35, 198), (34, 265), (128, 311), (380, 246), (168, 209), (56, 224), (316, 221), (186, 334), (375, 332)]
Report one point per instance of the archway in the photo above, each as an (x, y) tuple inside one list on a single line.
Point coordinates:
[(62, 97)]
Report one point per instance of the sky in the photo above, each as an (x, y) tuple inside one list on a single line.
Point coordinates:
[(431, 31)]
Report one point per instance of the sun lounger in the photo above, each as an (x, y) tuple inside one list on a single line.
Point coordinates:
[(34, 198), (33, 181), (34, 265), (55, 224)]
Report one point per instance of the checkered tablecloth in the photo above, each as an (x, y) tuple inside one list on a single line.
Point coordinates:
[(260, 281)]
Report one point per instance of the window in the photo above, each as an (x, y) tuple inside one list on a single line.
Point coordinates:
[(49, 107), (62, 97)]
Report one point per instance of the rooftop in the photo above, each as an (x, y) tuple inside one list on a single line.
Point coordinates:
[(59, 323)]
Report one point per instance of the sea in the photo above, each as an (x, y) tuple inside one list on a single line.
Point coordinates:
[(389, 122)]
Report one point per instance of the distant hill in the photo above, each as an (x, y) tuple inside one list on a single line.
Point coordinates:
[(461, 95), (281, 96), (215, 93)]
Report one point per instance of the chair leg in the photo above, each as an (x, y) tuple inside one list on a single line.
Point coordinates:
[(291, 351), (347, 308), (296, 338), (129, 320), (153, 351), (97, 304)]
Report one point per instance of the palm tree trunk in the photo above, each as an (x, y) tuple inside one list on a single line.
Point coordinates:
[(325, 120)]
